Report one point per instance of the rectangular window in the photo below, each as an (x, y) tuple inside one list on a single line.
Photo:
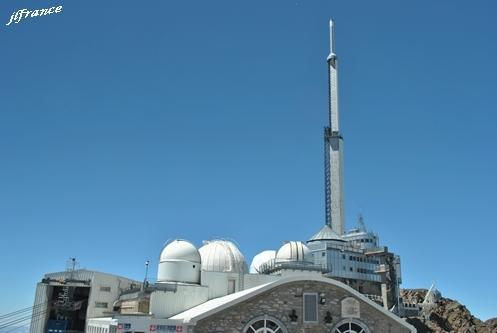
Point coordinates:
[(101, 305), (105, 288), (231, 286), (310, 307)]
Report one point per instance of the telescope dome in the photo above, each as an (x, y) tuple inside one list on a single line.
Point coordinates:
[(222, 256), (260, 259), (293, 251), (180, 249), (179, 261)]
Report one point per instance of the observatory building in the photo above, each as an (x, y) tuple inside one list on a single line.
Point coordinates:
[(336, 281)]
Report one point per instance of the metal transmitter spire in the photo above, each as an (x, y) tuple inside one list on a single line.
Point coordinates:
[(333, 143)]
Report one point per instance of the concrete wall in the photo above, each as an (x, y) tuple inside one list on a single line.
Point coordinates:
[(41, 309), (117, 285), (279, 303), (135, 306), (165, 304), (218, 282), (254, 280)]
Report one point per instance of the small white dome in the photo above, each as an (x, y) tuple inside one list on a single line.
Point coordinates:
[(222, 256), (180, 249), (293, 251), (262, 258), (179, 261)]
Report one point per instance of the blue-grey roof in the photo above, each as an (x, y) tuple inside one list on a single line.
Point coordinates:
[(326, 233)]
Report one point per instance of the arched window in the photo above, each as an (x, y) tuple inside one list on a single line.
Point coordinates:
[(264, 324), (350, 326)]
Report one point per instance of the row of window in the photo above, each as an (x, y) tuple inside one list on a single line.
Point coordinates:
[(354, 258), (360, 270), (364, 240), (95, 329), (360, 259)]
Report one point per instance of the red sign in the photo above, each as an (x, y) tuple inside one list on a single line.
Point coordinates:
[(120, 326), (179, 328), (153, 328)]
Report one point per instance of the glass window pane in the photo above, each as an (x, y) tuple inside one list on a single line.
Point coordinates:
[(258, 324), (272, 325)]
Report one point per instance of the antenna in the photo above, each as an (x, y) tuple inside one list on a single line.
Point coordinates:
[(333, 148), (71, 266), (360, 221), (65, 296), (145, 282), (332, 40), (428, 294)]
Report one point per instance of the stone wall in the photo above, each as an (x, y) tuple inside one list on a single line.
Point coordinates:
[(279, 303)]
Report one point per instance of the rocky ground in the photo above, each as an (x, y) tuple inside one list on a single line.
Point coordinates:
[(446, 315)]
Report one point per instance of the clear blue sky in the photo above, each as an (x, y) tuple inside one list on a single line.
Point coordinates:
[(124, 124)]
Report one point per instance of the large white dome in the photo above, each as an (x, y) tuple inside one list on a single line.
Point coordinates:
[(262, 258), (180, 249), (293, 251), (179, 261), (222, 256)]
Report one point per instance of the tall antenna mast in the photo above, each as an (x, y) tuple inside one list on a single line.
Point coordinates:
[(332, 40), (145, 282), (71, 266), (360, 221), (333, 141)]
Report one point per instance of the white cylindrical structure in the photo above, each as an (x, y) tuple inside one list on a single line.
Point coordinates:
[(180, 261)]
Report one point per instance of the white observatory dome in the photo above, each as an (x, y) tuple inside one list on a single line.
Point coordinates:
[(261, 259), (222, 256), (293, 251), (179, 261)]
